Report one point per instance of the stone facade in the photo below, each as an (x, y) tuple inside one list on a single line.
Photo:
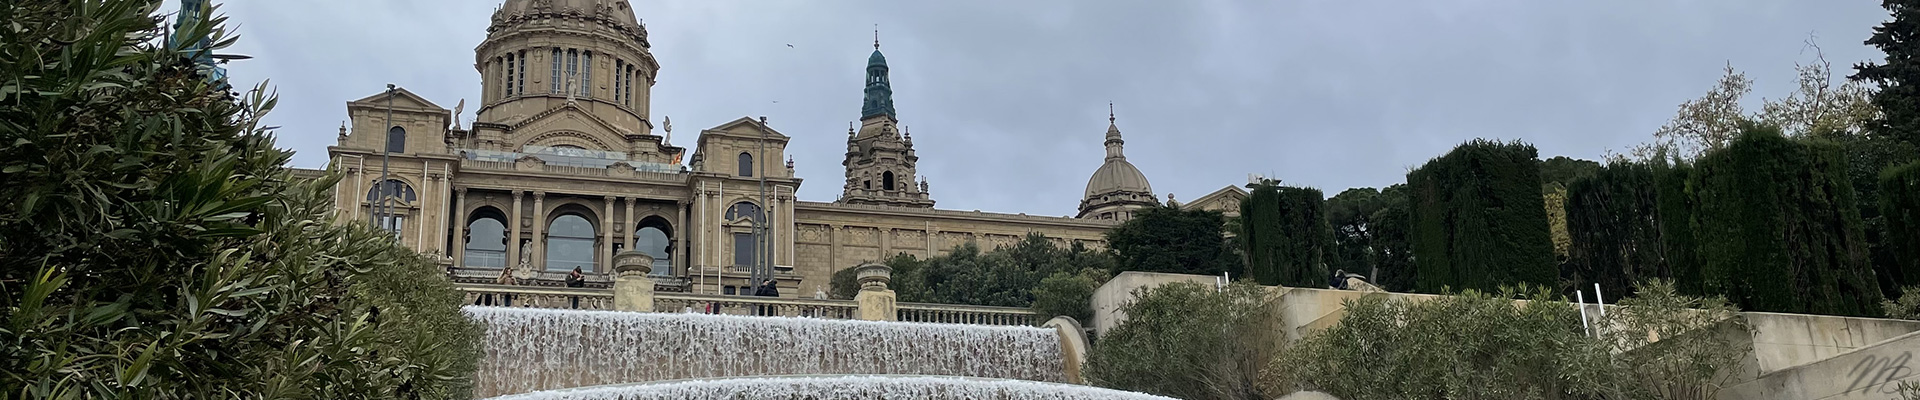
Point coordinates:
[(563, 168)]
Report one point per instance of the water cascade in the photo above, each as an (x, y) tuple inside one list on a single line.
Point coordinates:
[(537, 349), (839, 387)]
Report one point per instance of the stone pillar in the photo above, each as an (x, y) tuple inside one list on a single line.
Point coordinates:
[(1073, 347), (680, 231), (539, 231), (513, 237), (606, 236), (632, 289), (459, 227), (627, 229), (876, 301)]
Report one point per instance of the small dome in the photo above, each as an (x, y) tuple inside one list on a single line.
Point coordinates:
[(1117, 176), (876, 59)]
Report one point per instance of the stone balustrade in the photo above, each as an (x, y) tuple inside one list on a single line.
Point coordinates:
[(603, 299)]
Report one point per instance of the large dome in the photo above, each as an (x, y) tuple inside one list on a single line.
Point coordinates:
[(1117, 176), (618, 10)]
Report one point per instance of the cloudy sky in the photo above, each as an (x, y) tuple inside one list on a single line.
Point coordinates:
[(1008, 99)]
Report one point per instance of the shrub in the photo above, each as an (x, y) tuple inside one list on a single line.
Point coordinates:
[(1900, 210), (1189, 341), (159, 247), (1614, 221)]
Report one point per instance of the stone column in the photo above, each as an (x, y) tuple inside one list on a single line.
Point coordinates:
[(876, 301), (680, 231), (460, 227), (628, 230), (606, 236), (513, 237), (539, 231), (632, 289), (699, 212)]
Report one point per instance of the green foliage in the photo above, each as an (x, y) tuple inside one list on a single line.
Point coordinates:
[(1778, 227), (1665, 345), (1392, 241), (1350, 214), (158, 247), (1286, 236), (1562, 170), (1478, 219), (1189, 341), (1907, 306), (1172, 239), (1675, 210), (1467, 346), (1613, 218), (1069, 294), (1009, 276), (1900, 211), (1479, 346), (1899, 75)]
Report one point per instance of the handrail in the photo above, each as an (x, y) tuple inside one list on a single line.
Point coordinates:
[(668, 302)]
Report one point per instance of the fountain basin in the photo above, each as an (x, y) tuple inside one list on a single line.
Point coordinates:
[(833, 387)]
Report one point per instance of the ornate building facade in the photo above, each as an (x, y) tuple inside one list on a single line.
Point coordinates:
[(564, 166)]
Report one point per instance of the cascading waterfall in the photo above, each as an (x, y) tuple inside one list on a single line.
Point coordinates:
[(840, 387), (536, 349)]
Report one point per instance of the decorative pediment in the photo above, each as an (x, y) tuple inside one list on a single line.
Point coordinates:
[(1227, 198), (748, 128), (571, 125), (402, 99)]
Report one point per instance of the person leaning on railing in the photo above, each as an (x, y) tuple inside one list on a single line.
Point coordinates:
[(576, 279)]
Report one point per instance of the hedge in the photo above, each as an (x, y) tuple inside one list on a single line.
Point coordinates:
[(1779, 229), (1900, 206), (1479, 220), (1613, 219), (1287, 236)]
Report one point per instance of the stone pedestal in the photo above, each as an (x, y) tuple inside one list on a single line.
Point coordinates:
[(632, 288), (1073, 347), (876, 301)]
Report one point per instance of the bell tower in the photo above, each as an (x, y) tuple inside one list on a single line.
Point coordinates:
[(880, 159)]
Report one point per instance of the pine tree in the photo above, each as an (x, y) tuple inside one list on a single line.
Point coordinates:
[(1899, 76)]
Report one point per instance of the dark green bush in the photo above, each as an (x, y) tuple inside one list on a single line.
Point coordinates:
[(1900, 208), (1613, 218), (1287, 237), (1478, 219), (1778, 227)]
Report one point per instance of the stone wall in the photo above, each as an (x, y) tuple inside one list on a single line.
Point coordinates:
[(1871, 372)]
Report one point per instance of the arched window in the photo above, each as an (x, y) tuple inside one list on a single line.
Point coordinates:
[(746, 164), (886, 180), (745, 244), (653, 238), (396, 140), (570, 243), (395, 188), (396, 191), (486, 239)]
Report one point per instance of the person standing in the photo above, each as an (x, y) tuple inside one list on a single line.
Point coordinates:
[(505, 279), (576, 279)]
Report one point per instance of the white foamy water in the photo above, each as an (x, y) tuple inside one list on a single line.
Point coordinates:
[(840, 387), (536, 349)]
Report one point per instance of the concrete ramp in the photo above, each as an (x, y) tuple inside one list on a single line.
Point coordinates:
[(1871, 372)]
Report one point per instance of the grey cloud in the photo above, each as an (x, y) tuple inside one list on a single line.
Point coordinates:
[(1007, 100)]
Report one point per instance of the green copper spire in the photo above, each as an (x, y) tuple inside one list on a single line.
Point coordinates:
[(879, 99)]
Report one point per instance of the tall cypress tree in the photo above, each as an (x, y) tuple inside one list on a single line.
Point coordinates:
[(1287, 235), (1899, 76), (1779, 229), (1479, 220), (1900, 206), (1613, 218)]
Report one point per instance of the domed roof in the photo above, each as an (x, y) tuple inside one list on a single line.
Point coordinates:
[(876, 59), (618, 10), (1117, 176)]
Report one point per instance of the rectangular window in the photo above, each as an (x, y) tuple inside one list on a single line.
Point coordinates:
[(630, 76), (391, 223), (743, 246), (508, 79), (618, 65), (586, 75), (556, 71), (573, 69), (520, 72)]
